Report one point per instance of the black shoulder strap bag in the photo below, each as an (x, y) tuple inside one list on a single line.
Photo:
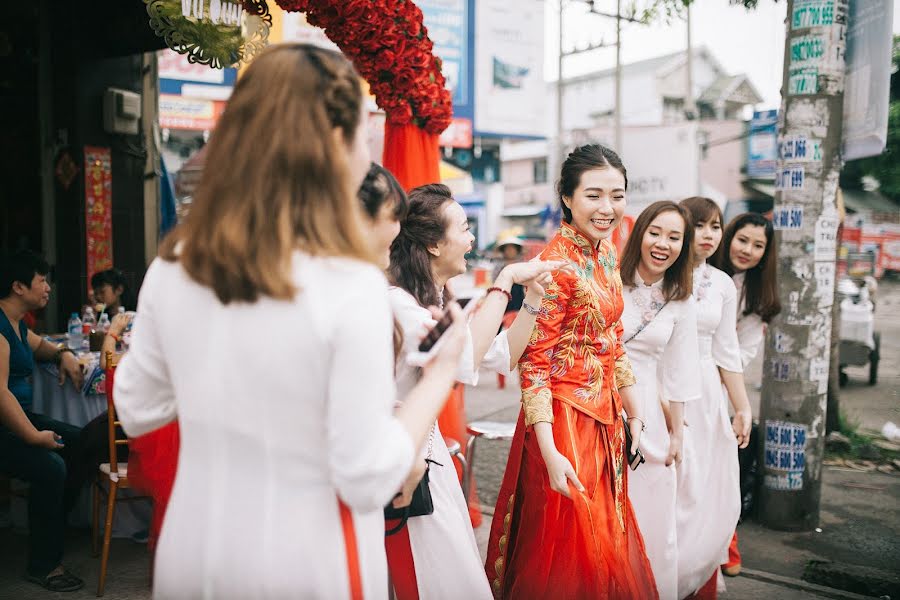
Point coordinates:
[(421, 504)]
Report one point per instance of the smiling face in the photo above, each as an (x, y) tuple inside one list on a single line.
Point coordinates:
[(597, 204), (449, 256), (748, 246), (661, 245), (707, 236)]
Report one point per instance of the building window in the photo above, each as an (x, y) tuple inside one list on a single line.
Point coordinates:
[(539, 167), (673, 110)]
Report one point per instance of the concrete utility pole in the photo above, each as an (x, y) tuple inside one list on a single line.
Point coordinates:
[(617, 140), (795, 378), (556, 150), (617, 108), (690, 108)]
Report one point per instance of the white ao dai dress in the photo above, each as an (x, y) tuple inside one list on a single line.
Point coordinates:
[(447, 563), (662, 348), (751, 330), (709, 503), (285, 408)]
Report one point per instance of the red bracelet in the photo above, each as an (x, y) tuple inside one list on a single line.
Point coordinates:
[(113, 336), (504, 292)]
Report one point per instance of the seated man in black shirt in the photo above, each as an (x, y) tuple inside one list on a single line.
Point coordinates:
[(35, 448)]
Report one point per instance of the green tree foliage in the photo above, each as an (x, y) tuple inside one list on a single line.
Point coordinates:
[(885, 167), (666, 10)]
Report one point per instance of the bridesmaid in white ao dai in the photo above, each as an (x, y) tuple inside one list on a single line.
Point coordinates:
[(708, 478), (660, 334)]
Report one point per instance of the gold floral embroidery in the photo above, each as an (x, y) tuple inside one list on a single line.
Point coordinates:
[(619, 480), (574, 347), (500, 563), (538, 406), (624, 374)]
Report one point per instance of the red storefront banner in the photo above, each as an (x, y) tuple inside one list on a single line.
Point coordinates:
[(98, 208), (458, 134)]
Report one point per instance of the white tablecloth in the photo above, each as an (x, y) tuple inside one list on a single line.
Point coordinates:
[(72, 406)]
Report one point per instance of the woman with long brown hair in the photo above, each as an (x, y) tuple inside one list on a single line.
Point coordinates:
[(265, 329), (660, 335), (564, 526), (709, 502), (749, 256), (435, 556)]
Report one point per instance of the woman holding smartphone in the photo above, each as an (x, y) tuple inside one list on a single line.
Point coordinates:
[(709, 503), (750, 258), (660, 333), (435, 556), (564, 526)]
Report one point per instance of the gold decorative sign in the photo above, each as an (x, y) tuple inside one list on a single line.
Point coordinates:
[(218, 33)]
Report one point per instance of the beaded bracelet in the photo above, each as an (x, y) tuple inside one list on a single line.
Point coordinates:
[(504, 292)]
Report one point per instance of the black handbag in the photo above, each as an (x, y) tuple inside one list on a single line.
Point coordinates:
[(420, 506), (421, 503)]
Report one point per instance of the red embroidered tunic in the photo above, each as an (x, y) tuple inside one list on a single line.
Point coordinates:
[(575, 353)]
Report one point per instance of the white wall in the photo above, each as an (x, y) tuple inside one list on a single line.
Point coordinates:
[(641, 103)]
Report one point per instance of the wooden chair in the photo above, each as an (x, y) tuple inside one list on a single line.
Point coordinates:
[(114, 474)]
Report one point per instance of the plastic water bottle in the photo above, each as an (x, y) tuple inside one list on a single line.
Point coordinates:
[(103, 323), (88, 323), (75, 335)]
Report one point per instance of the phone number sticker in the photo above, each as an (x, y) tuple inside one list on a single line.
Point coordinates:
[(788, 217), (812, 13), (785, 453), (790, 178), (798, 148)]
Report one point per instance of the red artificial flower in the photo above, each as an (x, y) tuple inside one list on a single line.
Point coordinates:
[(390, 48)]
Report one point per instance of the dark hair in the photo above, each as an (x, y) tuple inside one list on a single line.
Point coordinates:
[(381, 186), (704, 209), (378, 187), (20, 266), (760, 293), (678, 278), (423, 227), (114, 278), (581, 159)]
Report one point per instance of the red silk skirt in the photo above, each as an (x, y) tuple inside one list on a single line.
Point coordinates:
[(544, 545)]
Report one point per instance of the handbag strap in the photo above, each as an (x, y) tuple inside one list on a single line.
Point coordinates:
[(430, 454), (645, 323), (354, 575), (399, 525), (406, 509)]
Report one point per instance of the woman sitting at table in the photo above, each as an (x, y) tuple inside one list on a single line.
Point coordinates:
[(111, 291), (33, 447)]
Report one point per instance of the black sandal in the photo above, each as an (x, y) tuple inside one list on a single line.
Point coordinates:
[(61, 582)]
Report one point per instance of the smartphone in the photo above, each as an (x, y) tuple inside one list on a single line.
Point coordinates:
[(634, 460), (431, 342), (436, 332)]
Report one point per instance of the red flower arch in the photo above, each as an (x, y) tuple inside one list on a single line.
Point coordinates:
[(389, 46)]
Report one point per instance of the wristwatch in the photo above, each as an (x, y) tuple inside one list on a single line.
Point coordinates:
[(530, 309)]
